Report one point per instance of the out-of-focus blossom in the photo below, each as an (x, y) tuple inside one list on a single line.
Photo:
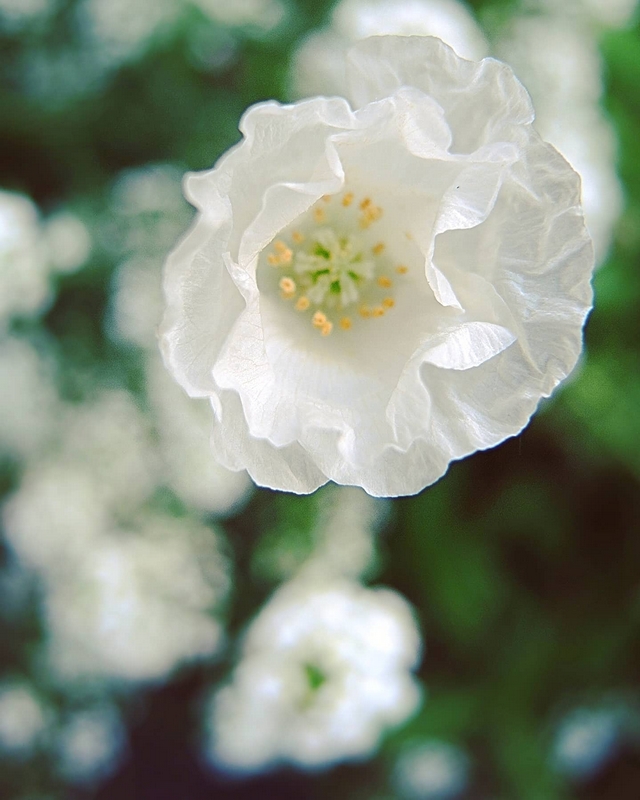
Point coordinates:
[(585, 740), (15, 14), (90, 745), (367, 295), (608, 13), (24, 267), (319, 63), (558, 61), (432, 770), (124, 30), (23, 719), (136, 302), (148, 212), (140, 602), (346, 534), (30, 252), (149, 205), (188, 465), (262, 14), (55, 516), (28, 400), (68, 241), (112, 440), (325, 669), (120, 30)]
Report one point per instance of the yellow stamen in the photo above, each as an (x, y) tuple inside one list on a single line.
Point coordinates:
[(326, 197), (288, 287), (345, 323), (402, 270), (297, 237), (319, 215), (319, 320), (384, 282), (273, 259), (347, 199), (377, 311), (326, 328), (302, 303), (388, 302), (378, 249), (364, 312), (370, 213)]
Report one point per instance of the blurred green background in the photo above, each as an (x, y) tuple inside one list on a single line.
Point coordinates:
[(523, 563)]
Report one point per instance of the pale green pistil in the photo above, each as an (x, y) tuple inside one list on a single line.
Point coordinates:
[(332, 270)]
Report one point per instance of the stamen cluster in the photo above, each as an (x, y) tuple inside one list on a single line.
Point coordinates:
[(332, 271)]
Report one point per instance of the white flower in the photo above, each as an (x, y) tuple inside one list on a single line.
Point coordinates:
[(90, 744), (368, 294), (23, 718), (431, 770), (585, 740), (24, 268), (28, 400), (325, 669), (319, 63)]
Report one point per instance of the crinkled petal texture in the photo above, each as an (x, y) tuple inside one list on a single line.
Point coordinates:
[(431, 189)]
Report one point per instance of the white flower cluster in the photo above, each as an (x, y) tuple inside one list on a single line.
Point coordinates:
[(126, 593), (319, 63), (325, 668), (373, 289), (31, 251)]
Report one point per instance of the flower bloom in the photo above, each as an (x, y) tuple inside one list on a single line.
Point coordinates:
[(326, 667), (374, 289)]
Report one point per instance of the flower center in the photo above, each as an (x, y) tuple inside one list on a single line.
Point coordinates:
[(332, 272)]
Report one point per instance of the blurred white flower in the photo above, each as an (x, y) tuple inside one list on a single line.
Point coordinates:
[(608, 13), (136, 302), (24, 267), (431, 770), (15, 14), (120, 30), (558, 61), (28, 400), (263, 14), (585, 740), (90, 744), (188, 465), (30, 251), (346, 534), (367, 295), (319, 63), (23, 718), (139, 603), (111, 439), (55, 516), (325, 669), (68, 241)]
